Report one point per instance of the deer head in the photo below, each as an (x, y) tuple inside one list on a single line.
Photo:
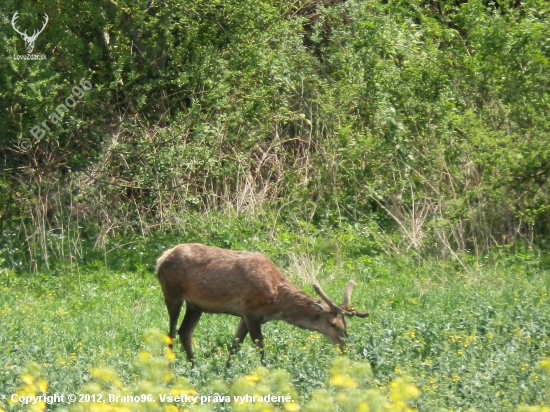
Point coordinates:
[(336, 314)]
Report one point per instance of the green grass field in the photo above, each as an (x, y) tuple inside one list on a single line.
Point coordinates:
[(469, 336)]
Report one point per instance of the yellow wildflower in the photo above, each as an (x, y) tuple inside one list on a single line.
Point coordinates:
[(144, 357), (28, 379), (170, 356), (42, 385), (363, 407), (343, 381), (291, 407), (252, 378)]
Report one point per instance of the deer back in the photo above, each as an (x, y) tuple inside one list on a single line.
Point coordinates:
[(218, 280)]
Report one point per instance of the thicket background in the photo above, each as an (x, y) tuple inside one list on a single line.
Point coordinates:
[(402, 143), (415, 125)]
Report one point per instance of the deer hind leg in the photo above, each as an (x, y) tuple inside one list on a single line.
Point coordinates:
[(188, 325), (174, 309), (240, 335), (255, 329)]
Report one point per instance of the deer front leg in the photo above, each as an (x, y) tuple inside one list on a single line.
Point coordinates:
[(240, 335), (255, 329)]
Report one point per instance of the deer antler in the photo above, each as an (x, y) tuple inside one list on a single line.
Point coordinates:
[(329, 302), (347, 293), (347, 299)]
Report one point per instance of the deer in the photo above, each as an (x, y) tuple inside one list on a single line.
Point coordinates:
[(244, 284)]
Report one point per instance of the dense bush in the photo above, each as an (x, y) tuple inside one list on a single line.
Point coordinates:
[(422, 119)]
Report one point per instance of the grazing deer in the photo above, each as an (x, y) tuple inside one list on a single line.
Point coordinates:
[(247, 285)]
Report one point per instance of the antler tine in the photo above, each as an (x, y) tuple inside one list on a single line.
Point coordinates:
[(347, 294), (361, 314), (347, 300), (329, 302)]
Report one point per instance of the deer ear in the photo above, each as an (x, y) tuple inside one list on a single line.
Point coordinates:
[(317, 307)]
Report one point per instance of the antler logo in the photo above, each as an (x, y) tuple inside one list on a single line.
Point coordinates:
[(29, 40)]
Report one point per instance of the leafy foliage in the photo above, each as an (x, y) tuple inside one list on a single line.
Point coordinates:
[(427, 119)]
